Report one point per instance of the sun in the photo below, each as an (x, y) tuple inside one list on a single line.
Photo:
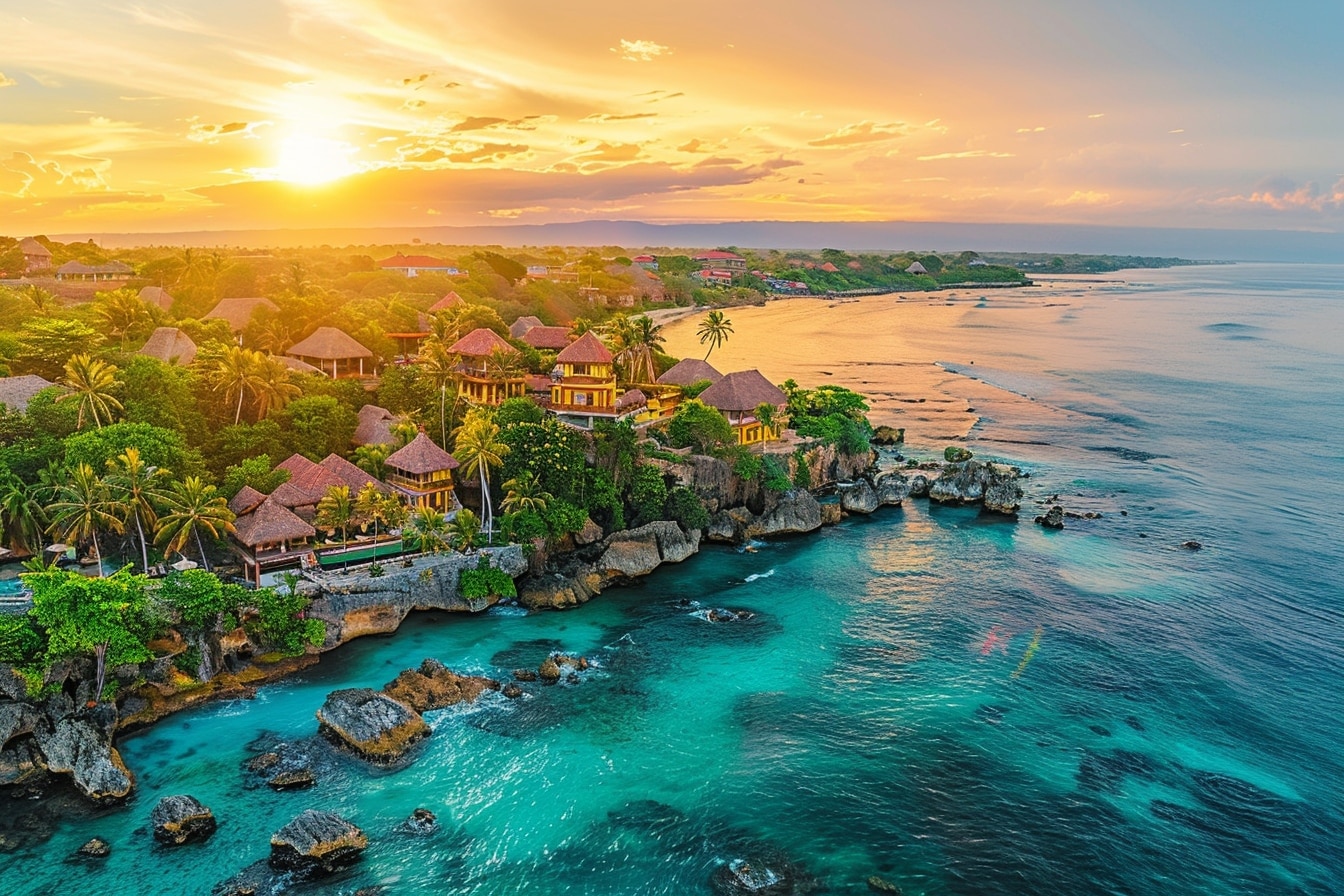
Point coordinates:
[(309, 160)]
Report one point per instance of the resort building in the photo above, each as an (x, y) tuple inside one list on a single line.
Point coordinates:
[(158, 297), (714, 277), (78, 270), (647, 262), (375, 426), (916, 268), (333, 352), (737, 396), (170, 345), (719, 259), (237, 313), (267, 535), (547, 339), (414, 265), (689, 371), (447, 303), (422, 474), (17, 391), (486, 375), (36, 257), (583, 384), (522, 325)]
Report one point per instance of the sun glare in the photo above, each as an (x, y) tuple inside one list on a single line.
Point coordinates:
[(309, 160)]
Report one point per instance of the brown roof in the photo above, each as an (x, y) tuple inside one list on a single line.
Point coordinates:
[(587, 349), (308, 482), (238, 312), (743, 391), (452, 300), (30, 246), (271, 522), (375, 426), (170, 345), (689, 370), (522, 325), (298, 366), (539, 382), (156, 295), (349, 474), (481, 343), (631, 399), (17, 391), (329, 344), (421, 456), (246, 500), (547, 337)]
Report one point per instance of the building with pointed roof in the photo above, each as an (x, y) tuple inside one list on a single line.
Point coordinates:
[(36, 257), (522, 325), (548, 339), (422, 473), (170, 345), (78, 270), (488, 373), (688, 371), (333, 352), (737, 396), (237, 313), (268, 535), (157, 296), (17, 391), (447, 303), (916, 268), (583, 384), (375, 426)]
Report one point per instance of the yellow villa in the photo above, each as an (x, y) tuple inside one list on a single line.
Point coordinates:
[(482, 378), (583, 384), (422, 473), (737, 396)]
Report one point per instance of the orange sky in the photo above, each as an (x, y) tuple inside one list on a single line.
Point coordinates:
[(344, 113)]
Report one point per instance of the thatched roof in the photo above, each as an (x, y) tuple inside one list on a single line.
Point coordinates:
[(451, 300), (587, 349), (916, 268), (689, 370), (631, 399), (17, 391), (421, 456), (375, 426), (481, 343), (328, 344), (549, 338), (743, 391), (246, 500), (110, 268), (30, 246), (522, 325), (349, 474), (156, 295), (308, 482), (170, 345), (238, 312), (298, 366), (271, 522)]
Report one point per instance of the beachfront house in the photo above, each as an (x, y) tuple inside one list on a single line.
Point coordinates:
[(522, 325), (422, 474), (688, 372), (583, 384), (738, 396), (717, 258), (267, 535), (488, 373), (334, 352)]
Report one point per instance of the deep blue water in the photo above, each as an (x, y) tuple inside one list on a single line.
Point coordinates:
[(1145, 720)]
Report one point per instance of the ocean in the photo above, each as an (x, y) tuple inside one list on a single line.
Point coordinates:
[(956, 703)]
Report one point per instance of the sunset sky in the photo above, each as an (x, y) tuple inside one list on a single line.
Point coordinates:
[(150, 116)]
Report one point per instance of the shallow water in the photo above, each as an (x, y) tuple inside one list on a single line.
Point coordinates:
[(960, 704)]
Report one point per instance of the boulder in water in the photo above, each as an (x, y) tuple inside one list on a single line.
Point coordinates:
[(370, 724), (1052, 518), (549, 671), (955, 454), (317, 842), (858, 496), (293, 779), (421, 821), (888, 435), (1191, 545), (181, 819), (97, 848), (880, 885), (434, 686)]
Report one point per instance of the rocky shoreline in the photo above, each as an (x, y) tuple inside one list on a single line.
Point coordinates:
[(69, 737)]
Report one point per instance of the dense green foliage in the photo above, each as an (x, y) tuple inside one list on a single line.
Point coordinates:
[(698, 426), (648, 495), (831, 414), (551, 451), (484, 582), (281, 623), (685, 508), (201, 600)]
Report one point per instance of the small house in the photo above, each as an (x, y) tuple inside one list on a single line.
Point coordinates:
[(158, 297), (484, 377), (267, 535), (583, 384), (333, 352), (237, 313), (36, 257), (170, 345), (422, 473), (738, 396)]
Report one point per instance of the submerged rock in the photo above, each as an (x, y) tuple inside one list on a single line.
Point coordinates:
[(320, 842), (434, 686), (294, 779), (1191, 545), (371, 724), (879, 885), (97, 848), (181, 819), (1052, 518), (421, 821)]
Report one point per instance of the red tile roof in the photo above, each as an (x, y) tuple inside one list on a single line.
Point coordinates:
[(308, 482), (718, 255), (349, 474), (481, 343), (587, 349), (547, 337), (452, 300)]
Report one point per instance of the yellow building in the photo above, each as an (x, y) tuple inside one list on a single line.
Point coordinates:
[(422, 473), (482, 378), (737, 396), (583, 384)]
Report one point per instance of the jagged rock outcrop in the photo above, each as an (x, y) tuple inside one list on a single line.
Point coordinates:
[(81, 746), (888, 435), (787, 513), (435, 686), (370, 724), (973, 482), (1052, 518), (181, 819), (858, 496), (892, 488), (919, 485), (638, 552), (421, 822), (317, 842)]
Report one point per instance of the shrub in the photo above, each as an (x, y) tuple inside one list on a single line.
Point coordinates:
[(485, 582), (802, 472), (513, 411), (376, 570), (746, 466), (602, 500), (200, 598), (698, 426), (686, 509), (188, 662), (776, 475), (20, 640), (281, 623), (648, 495)]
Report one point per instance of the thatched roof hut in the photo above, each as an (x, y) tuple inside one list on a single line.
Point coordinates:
[(421, 456), (349, 474), (375, 426), (547, 338), (237, 313), (447, 303), (247, 500), (481, 343), (328, 344), (17, 391), (170, 345), (743, 392), (587, 349), (157, 296), (688, 371), (916, 268), (270, 523), (522, 325)]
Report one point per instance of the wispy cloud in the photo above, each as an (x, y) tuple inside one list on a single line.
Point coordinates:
[(968, 154), (863, 132), (6, 81), (640, 50), (600, 117)]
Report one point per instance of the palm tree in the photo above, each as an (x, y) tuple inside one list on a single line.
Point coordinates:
[(640, 338), (428, 528), (272, 384), (524, 492), (335, 511), (82, 507), (235, 374), (192, 507), (369, 458), (714, 329), (91, 382), (372, 504), (121, 310), (138, 489), (22, 518), (478, 448), (464, 530), (40, 297)]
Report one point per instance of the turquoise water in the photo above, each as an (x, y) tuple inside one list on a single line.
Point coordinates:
[(1145, 719)]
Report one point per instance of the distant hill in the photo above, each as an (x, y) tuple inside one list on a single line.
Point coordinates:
[(1204, 245)]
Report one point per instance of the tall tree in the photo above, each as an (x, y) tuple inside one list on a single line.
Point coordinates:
[(429, 529), (336, 511), (22, 517), (83, 508), (235, 374), (138, 489), (92, 383), (272, 384), (478, 448), (523, 493), (714, 331), (190, 508), (369, 458)]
